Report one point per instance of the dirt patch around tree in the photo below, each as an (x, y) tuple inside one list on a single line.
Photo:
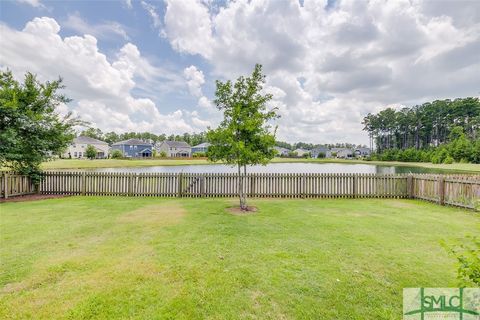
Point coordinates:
[(32, 197), (237, 211)]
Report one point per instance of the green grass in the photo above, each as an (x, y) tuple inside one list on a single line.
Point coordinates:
[(148, 258), (466, 167), (116, 163)]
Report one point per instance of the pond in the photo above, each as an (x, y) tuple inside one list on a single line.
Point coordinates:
[(275, 168)]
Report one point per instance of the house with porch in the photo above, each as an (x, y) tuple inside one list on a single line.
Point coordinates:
[(175, 149), (78, 148), (201, 148), (281, 152), (134, 148), (301, 152), (321, 151)]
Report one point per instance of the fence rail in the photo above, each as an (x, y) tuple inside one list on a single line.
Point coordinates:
[(458, 190)]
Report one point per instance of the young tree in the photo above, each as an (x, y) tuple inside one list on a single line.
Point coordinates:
[(116, 154), (31, 130), (90, 152), (243, 137)]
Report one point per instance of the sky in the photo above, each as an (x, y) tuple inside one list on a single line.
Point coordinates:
[(152, 65)]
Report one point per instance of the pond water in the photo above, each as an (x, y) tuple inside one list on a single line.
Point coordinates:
[(274, 168)]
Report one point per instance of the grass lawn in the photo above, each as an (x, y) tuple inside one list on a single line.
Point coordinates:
[(115, 163), (150, 258)]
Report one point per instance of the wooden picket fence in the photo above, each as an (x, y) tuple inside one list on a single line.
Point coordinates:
[(458, 190)]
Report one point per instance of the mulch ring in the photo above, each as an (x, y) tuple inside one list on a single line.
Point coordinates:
[(32, 197), (239, 212)]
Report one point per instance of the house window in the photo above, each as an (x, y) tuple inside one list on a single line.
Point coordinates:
[(83, 146), (131, 147), (75, 154), (135, 147)]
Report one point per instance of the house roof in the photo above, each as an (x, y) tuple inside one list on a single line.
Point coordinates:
[(320, 149), (177, 144), (281, 149), (203, 145), (301, 150), (132, 142), (87, 140)]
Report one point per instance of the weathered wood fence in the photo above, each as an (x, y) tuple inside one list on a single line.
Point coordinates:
[(458, 190)]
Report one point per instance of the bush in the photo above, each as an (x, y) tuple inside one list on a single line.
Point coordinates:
[(199, 155), (448, 160), (467, 254), (321, 155), (116, 154), (90, 152), (163, 154)]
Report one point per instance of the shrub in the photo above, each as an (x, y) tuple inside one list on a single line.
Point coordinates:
[(116, 154), (163, 154), (467, 254), (321, 155), (199, 154), (90, 152), (448, 160)]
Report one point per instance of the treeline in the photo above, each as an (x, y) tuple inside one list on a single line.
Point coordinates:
[(442, 131), (192, 139), (310, 146)]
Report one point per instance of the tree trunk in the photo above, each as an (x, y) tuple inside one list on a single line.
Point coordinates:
[(241, 193)]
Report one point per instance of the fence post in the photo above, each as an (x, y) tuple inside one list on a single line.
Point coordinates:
[(180, 180), (84, 183), (355, 186), (252, 184), (410, 186), (441, 190), (202, 186), (5, 185), (130, 184)]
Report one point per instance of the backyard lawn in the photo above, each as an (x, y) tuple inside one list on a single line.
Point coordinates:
[(150, 258), (116, 163)]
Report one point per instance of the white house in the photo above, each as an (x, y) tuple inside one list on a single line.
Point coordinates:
[(344, 153), (79, 145), (362, 152), (175, 149), (301, 152), (282, 152)]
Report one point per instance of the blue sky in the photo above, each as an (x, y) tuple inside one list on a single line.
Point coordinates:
[(151, 65)]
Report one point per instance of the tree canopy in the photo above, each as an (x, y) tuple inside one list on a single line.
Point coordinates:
[(245, 135), (31, 129)]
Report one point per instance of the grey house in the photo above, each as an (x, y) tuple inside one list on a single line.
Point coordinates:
[(202, 147), (281, 152), (175, 149), (316, 151), (133, 148)]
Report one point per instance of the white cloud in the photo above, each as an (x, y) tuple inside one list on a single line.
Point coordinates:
[(101, 89), (152, 12), (100, 31), (33, 3), (195, 80), (327, 68)]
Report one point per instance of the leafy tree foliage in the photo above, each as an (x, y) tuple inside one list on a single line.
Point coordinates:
[(31, 130), (243, 137), (116, 154), (432, 131), (90, 152)]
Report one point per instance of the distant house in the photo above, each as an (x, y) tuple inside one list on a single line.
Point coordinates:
[(282, 152), (202, 147), (344, 153), (133, 148), (362, 152), (79, 145), (316, 151), (175, 149), (301, 152)]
